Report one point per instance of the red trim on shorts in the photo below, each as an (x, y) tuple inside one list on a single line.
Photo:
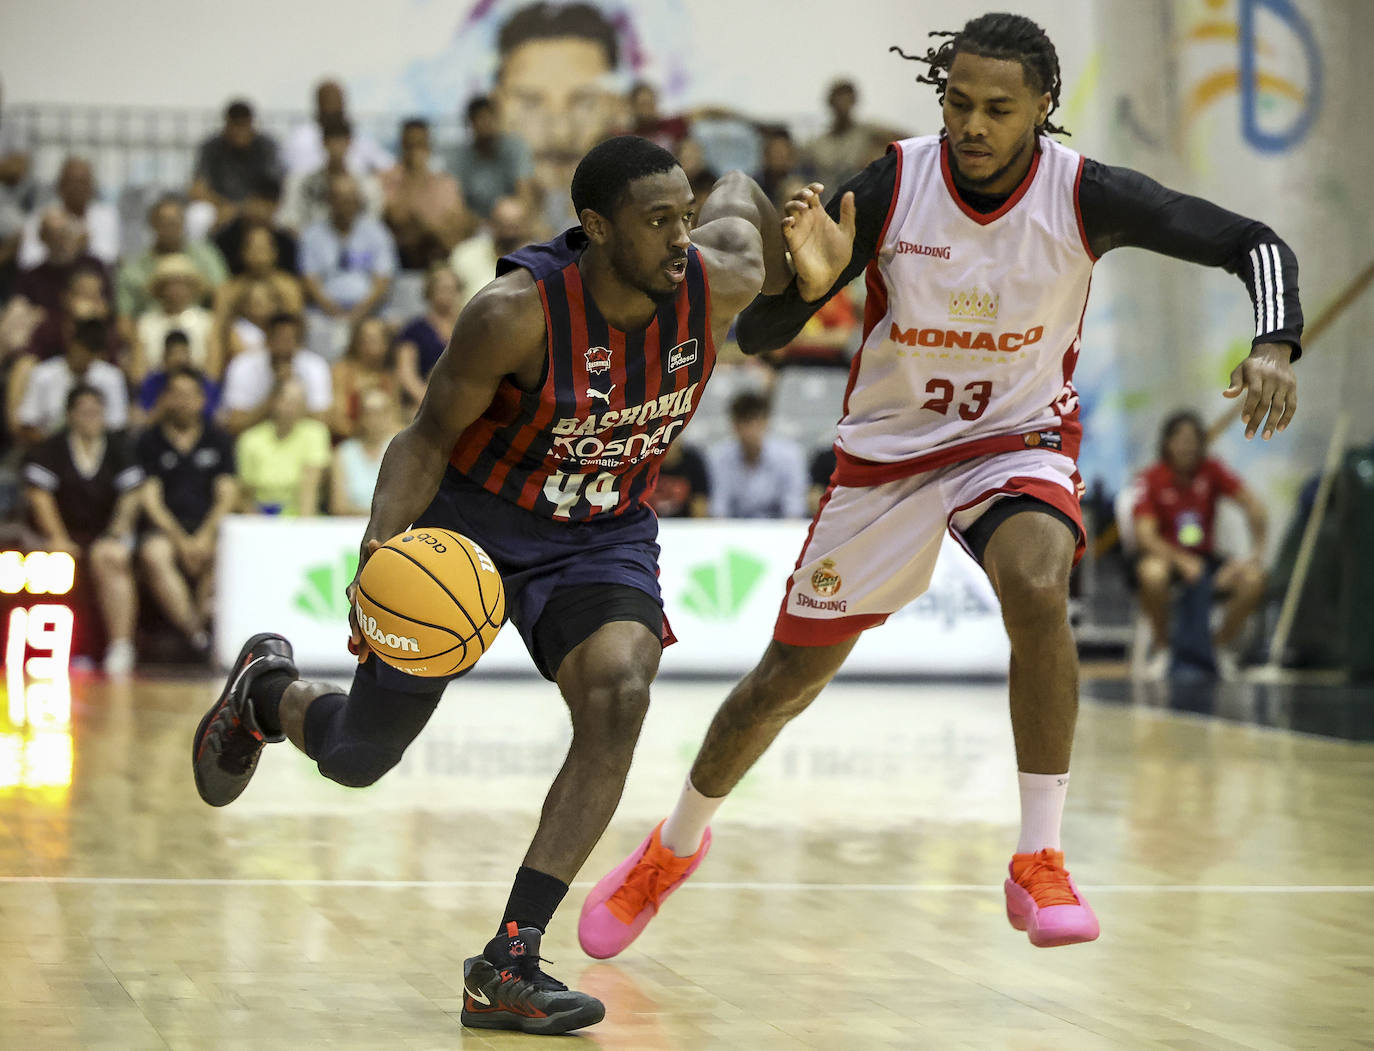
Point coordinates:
[(1043, 490), (856, 473), (813, 631), (982, 218)]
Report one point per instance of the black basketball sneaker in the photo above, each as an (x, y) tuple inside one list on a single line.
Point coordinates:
[(228, 740), (505, 989)]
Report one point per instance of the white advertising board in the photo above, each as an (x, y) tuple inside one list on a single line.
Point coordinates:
[(722, 584)]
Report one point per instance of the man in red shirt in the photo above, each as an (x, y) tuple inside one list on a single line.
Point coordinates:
[(1174, 521)]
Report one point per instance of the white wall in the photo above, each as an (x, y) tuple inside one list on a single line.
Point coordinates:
[(761, 57)]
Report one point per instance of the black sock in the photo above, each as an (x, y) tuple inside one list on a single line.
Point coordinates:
[(533, 899), (266, 693)]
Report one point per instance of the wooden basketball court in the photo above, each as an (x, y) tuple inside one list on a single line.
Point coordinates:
[(852, 900)]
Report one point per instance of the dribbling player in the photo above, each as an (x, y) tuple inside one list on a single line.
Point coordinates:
[(961, 414), (539, 437)]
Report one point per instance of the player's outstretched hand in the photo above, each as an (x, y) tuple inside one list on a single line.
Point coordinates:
[(820, 247), (1267, 381), (357, 643)]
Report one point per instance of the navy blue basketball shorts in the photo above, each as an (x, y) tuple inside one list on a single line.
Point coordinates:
[(563, 580)]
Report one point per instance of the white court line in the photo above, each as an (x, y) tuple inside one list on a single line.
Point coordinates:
[(849, 888)]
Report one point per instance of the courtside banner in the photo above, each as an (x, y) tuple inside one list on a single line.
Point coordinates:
[(722, 584)]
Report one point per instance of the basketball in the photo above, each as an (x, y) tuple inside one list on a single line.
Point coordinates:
[(429, 602)]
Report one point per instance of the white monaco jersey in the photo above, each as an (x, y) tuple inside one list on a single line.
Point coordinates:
[(972, 321)]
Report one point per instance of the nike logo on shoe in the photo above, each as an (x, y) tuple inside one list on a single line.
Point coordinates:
[(481, 998)]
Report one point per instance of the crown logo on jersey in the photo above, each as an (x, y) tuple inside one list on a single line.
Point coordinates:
[(598, 360), (973, 305)]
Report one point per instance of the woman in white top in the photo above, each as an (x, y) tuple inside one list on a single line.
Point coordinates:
[(353, 474)]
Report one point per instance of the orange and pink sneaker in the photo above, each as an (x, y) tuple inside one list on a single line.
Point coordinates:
[(1043, 901), (630, 895)]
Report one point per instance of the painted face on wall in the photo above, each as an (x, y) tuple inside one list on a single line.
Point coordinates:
[(557, 92)]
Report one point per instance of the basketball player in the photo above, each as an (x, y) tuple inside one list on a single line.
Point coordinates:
[(539, 437), (961, 414)]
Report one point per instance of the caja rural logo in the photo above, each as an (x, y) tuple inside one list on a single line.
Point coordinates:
[(322, 593), (719, 589)]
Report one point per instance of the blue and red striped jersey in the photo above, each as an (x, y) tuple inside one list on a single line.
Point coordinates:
[(588, 440)]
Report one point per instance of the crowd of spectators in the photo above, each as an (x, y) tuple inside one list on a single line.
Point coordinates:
[(282, 318)]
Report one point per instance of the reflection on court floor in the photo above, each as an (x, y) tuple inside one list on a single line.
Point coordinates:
[(852, 898)]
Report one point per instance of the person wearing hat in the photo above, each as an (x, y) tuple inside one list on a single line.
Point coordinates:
[(177, 288)]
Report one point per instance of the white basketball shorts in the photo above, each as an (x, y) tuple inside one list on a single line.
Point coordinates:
[(871, 550)]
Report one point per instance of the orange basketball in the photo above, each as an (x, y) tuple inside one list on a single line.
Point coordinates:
[(430, 602)]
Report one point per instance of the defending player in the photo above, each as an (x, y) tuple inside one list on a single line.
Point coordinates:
[(539, 437), (961, 414)]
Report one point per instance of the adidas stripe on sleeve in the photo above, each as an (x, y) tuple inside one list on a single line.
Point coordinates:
[(1123, 208)]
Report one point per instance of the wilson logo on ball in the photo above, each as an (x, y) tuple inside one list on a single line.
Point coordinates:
[(368, 626)]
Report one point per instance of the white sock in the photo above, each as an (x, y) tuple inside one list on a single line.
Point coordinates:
[(687, 823), (1042, 809)]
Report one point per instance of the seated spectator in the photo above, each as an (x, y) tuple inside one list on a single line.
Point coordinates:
[(257, 302), (829, 337), (177, 290), (366, 365), (190, 470), (251, 377), (82, 490), (282, 460), (755, 474), (305, 152), (231, 163), (780, 176), (167, 217), (84, 297), (684, 488), (64, 243), (43, 406), (424, 208), (509, 227), (176, 357), (347, 263), (648, 123), (260, 268), (1174, 516), (821, 467), (259, 208), (492, 164), (97, 222), (16, 194), (702, 182), (306, 201), (846, 146), (357, 460), (424, 338)]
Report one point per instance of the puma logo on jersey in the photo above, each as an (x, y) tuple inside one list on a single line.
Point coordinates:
[(592, 392), (964, 339)]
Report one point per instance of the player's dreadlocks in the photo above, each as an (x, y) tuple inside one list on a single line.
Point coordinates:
[(997, 36)]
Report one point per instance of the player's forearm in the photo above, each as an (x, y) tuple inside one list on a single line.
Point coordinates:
[(411, 470)]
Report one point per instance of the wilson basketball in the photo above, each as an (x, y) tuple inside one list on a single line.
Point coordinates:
[(430, 602)]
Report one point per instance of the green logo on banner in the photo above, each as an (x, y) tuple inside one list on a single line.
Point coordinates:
[(718, 590), (322, 594)]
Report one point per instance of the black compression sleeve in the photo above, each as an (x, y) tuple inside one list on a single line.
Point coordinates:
[(1123, 208), (770, 322)]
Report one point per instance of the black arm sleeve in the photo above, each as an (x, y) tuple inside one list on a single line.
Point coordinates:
[(1121, 207), (770, 322)]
